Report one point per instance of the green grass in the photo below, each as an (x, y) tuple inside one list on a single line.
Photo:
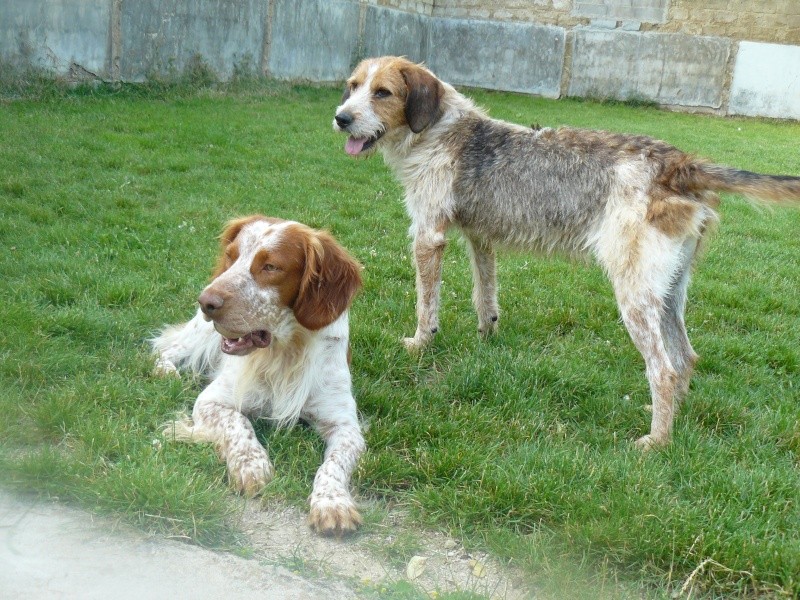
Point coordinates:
[(110, 202)]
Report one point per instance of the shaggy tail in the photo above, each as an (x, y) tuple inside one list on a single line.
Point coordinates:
[(780, 189)]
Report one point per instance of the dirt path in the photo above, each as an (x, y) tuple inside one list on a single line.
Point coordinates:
[(51, 551), (381, 555)]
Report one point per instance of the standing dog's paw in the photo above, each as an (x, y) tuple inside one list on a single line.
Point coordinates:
[(487, 328), (333, 516), (649, 442), (412, 345), (249, 475), (415, 344)]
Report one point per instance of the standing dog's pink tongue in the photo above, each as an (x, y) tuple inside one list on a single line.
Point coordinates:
[(354, 145)]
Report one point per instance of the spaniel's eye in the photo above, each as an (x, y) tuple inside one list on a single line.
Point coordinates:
[(382, 93), (352, 86), (270, 267)]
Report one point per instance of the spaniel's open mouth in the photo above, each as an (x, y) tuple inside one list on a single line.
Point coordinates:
[(356, 146), (246, 343)]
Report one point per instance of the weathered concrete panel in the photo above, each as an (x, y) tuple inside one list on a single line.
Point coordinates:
[(395, 33), (518, 57), (54, 34), (666, 68), (163, 36), (314, 39), (766, 81)]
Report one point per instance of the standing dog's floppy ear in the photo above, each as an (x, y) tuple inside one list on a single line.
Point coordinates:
[(330, 281), (423, 99)]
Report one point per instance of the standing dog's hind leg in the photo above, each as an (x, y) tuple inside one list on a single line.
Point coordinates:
[(673, 326), (642, 317)]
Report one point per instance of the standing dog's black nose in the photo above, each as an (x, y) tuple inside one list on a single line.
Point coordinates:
[(344, 119)]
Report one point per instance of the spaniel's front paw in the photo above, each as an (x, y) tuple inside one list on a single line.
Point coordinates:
[(249, 474), (333, 516)]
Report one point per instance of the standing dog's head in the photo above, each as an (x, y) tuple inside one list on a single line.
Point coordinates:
[(386, 94), (273, 274)]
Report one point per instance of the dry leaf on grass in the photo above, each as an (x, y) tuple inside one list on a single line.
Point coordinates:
[(416, 566)]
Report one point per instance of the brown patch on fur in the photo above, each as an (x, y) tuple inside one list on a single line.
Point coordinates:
[(620, 146), (329, 282), (676, 173), (672, 215), (391, 110), (228, 246), (281, 268)]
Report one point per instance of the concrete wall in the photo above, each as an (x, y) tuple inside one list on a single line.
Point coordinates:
[(54, 34), (674, 69), (314, 39), (666, 51), (466, 52), (159, 36)]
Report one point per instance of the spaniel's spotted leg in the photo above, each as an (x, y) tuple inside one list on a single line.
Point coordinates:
[(333, 510), (215, 420)]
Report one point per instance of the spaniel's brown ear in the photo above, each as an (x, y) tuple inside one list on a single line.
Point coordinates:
[(229, 234), (330, 281), (424, 97)]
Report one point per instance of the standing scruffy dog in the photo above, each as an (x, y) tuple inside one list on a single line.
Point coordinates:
[(639, 206)]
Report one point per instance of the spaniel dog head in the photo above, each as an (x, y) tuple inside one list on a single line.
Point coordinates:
[(386, 95), (273, 275)]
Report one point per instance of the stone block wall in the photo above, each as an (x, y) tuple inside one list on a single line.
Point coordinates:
[(648, 11), (775, 21)]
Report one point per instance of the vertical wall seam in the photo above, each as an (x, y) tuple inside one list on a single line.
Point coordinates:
[(115, 41), (362, 26), (727, 83), (566, 64), (266, 46)]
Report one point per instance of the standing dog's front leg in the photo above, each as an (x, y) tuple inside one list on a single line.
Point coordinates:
[(484, 278), (428, 252), (215, 420), (333, 510)]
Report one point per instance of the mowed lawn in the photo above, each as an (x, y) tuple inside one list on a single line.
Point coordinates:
[(110, 205)]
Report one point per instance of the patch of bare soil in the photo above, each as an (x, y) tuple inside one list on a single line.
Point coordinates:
[(380, 554)]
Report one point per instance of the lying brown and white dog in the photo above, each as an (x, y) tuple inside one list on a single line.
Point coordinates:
[(637, 205), (272, 334)]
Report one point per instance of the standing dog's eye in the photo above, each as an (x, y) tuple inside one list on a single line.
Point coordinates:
[(382, 93), (270, 267)]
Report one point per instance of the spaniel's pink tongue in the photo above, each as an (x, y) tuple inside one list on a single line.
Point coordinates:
[(237, 346), (246, 343), (354, 145)]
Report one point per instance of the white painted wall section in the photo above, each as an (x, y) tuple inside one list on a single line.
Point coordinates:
[(766, 81)]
